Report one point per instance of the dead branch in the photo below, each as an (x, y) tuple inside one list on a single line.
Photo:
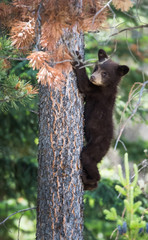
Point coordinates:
[(133, 56), (23, 210), (133, 113), (38, 26), (130, 98), (106, 5), (129, 29), (116, 229), (32, 111), (13, 58), (19, 223), (143, 164)]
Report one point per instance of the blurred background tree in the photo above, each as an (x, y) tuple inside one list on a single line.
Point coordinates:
[(19, 133)]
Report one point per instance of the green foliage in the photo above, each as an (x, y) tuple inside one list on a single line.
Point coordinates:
[(137, 148), (29, 217), (18, 147), (18, 170), (18, 175), (111, 215), (105, 196), (130, 223), (13, 89)]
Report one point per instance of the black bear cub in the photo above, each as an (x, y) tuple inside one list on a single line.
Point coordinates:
[(100, 93)]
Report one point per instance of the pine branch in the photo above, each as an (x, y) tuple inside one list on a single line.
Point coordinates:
[(9, 99)]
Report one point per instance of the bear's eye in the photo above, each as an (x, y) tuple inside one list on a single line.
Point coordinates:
[(103, 74)]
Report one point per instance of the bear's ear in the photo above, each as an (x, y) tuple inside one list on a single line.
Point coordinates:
[(102, 55), (122, 70)]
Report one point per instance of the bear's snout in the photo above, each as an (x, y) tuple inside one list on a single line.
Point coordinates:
[(96, 79), (92, 78)]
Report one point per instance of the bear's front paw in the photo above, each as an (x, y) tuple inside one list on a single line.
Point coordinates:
[(76, 60)]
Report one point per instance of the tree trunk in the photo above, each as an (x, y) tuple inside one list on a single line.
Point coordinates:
[(60, 189)]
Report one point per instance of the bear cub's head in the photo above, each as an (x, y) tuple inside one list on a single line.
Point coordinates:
[(107, 72)]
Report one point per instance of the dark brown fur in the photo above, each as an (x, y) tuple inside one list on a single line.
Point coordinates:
[(98, 111)]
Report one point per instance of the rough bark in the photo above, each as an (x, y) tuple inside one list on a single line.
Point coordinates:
[(60, 190)]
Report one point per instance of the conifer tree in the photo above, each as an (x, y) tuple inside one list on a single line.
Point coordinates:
[(48, 33)]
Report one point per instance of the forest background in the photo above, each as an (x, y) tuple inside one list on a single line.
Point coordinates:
[(19, 129)]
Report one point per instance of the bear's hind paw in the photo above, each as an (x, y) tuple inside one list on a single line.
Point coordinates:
[(90, 186)]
